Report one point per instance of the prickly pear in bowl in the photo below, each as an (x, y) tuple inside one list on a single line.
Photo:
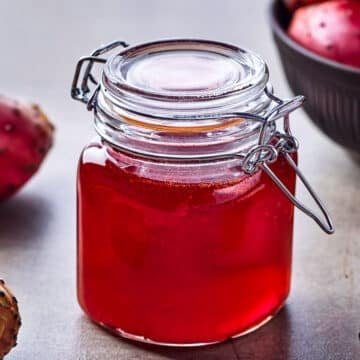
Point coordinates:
[(330, 29), (319, 47), (26, 135)]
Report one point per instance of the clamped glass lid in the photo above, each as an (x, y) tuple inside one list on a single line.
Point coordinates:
[(178, 79), (182, 82), (185, 75)]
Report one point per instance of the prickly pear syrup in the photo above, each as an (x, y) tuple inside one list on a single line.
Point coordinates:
[(178, 259)]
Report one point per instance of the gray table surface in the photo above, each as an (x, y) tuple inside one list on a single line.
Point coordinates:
[(41, 41)]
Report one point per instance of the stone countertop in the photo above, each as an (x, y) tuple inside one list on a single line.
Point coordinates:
[(41, 41)]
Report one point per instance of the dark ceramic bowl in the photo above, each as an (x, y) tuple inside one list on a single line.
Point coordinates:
[(332, 90)]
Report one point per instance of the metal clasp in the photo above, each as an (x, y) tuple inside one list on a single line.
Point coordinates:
[(83, 92), (266, 152), (326, 225)]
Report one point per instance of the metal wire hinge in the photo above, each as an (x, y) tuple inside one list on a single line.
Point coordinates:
[(83, 92), (267, 152)]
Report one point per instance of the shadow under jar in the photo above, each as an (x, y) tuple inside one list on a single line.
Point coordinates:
[(184, 220)]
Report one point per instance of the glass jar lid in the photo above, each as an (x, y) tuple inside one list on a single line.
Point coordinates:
[(180, 77)]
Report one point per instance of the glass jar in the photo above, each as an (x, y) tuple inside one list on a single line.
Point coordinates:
[(184, 220)]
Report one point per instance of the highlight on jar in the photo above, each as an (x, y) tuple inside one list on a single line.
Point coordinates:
[(186, 196)]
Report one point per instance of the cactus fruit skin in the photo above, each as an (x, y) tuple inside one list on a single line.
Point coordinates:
[(10, 320), (26, 135), (330, 29)]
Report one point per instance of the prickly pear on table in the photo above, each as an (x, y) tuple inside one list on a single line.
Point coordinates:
[(26, 135), (10, 321)]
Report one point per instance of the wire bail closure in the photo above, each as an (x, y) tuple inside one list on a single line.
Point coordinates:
[(82, 93), (260, 156)]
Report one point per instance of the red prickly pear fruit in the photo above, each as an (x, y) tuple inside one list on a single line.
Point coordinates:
[(294, 4), (10, 321), (330, 29), (26, 135)]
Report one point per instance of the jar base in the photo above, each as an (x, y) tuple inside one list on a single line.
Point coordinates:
[(142, 339)]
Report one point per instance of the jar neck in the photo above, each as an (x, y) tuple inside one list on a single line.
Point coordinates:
[(189, 137)]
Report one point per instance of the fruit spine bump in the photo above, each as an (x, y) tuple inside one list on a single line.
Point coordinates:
[(10, 320), (26, 135)]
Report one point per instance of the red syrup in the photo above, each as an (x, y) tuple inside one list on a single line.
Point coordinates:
[(180, 262)]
